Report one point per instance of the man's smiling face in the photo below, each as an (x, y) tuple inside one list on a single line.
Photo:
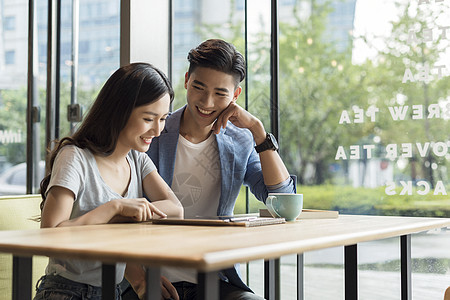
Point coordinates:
[(209, 92)]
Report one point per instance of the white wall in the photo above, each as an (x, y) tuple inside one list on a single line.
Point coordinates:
[(144, 32)]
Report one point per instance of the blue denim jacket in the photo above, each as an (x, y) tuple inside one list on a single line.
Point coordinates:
[(239, 164)]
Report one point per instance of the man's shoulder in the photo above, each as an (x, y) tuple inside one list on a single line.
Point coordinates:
[(173, 121), (176, 115)]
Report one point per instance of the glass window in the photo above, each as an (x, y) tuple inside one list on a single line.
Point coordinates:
[(10, 57), (98, 52), (364, 107), (185, 8), (9, 23), (13, 96), (84, 47), (370, 91), (95, 64), (287, 2), (363, 100), (18, 178)]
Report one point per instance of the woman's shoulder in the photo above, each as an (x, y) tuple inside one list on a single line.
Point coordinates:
[(74, 153), (141, 161), (70, 149), (137, 156)]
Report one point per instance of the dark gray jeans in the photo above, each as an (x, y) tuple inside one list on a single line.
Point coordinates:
[(54, 287)]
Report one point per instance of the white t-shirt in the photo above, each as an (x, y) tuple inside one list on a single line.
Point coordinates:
[(76, 169), (196, 178), (196, 183)]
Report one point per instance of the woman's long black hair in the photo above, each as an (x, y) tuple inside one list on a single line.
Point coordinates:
[(129, 87)]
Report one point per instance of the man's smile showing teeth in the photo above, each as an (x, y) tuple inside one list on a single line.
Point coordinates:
[(147, 140), (205, 112)]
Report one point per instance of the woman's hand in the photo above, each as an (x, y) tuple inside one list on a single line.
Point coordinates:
[(59, 202), (138, 210)]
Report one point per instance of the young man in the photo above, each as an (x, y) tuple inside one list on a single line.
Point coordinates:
[(207, 151)]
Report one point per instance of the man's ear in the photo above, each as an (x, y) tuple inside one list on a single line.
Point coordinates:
[(236, 94), (186, 78)]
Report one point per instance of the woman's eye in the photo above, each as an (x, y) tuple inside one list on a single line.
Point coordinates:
[(148, 120)]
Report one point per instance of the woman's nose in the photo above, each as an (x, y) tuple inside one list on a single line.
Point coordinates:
[(154, 130)]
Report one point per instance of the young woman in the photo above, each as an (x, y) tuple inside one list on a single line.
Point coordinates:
[(101, 173)]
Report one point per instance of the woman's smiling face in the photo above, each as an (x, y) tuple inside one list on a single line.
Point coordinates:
[(145, 123)]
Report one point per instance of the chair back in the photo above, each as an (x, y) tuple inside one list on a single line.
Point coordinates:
[(19, 213)]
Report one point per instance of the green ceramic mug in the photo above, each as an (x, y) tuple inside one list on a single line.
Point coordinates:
[(288, 206)]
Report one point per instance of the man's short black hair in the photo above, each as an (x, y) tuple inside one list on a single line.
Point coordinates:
[(218, 55)]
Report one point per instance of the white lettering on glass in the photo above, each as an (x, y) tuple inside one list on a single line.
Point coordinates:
[(10, 137), (423, 188), (393, 151)]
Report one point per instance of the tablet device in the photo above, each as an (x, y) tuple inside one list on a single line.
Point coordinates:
[(246, 221)]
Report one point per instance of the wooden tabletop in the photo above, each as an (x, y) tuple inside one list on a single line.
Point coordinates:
[(206, 248)]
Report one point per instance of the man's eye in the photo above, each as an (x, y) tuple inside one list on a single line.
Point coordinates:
[(197, 87)]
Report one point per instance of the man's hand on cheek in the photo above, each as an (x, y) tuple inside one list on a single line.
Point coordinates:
[(239, 117), (221, 122), (230, 113)]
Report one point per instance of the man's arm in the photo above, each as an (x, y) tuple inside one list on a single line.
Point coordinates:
[(273, 168)]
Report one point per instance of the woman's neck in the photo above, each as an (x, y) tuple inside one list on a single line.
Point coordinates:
[(117, 156)]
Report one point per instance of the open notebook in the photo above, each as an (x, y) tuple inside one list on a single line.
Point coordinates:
[(246, 221)]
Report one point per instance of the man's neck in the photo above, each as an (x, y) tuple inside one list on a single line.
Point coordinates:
[(193, 133)]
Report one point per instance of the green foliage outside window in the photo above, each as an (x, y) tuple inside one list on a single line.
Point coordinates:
[(318, 82)]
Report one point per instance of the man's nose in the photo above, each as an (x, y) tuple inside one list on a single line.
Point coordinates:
[(208, 100)]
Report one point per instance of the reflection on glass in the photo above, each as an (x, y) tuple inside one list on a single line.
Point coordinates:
[(13, 96), (196, 21), (98, 52), (365, 108), (98, 57), (364, 101)]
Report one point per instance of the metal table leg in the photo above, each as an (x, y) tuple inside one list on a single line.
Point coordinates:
[(153, 286), (109, 282), (405, 261), (300, 277), (208, 286), (22, 270), (351, 272), (269, 279)]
